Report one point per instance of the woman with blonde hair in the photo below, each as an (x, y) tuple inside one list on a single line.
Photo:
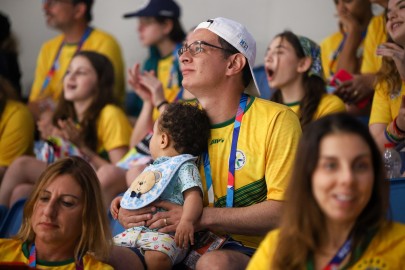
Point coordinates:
[(64, 223)]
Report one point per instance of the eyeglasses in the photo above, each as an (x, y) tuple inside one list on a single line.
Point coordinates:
[(195, 48), (53, 2)]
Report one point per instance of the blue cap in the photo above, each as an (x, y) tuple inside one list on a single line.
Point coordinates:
[(157, 8)]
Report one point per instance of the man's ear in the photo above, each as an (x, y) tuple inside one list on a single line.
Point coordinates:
[(164, 140), (80, 10), (304, 64), (236, 63)]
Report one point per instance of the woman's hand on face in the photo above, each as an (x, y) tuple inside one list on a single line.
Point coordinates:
[(396, 53), (349, 23), (166, 221), (135, 218), (70, 132)]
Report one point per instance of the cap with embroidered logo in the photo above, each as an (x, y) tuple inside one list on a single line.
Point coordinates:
[(239, 37), (157, 8)]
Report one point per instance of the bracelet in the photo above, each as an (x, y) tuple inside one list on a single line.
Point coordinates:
[(161, 104), (392, 136), (389, 138), (396, 134), (397, 128)]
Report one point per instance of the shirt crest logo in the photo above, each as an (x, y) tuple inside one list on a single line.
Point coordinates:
[(240, 160)]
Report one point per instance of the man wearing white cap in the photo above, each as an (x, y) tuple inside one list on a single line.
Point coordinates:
[(252, 147)]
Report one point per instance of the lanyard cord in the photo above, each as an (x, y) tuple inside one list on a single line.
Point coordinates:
[(55, 64), (232, 157), (32, 259)]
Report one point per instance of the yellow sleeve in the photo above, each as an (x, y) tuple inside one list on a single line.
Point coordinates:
[(329, 104), (114, 129), (326, 51), (92, 263), (16, 132), (376, 35), (328, 46), (282, 141), (380, 110), (11, 251), (263, 257), (45, 60), (386, 250)]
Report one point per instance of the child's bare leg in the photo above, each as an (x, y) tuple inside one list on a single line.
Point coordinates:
[(21, 191), (23, 170), (112, 181), (157, 260), (133, 173)]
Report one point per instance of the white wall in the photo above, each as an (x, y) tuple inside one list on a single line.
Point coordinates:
[(264, 18)]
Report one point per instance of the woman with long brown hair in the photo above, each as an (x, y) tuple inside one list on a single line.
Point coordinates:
[(86, 116), (335, 216), (294, 69)]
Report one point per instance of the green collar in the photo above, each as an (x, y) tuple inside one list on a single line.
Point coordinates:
[(292, 104), (232, 120)]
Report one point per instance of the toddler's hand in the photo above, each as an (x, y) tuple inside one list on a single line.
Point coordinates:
[(115, 207), (184, 234)]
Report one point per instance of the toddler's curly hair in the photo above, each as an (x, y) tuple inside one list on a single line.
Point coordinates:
[(188, 126)]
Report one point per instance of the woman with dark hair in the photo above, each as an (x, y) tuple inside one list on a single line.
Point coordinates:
[(85, 116), (64, 223), (336, 205), (160, 30), (294, 68)]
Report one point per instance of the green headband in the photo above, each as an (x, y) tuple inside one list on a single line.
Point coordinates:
[(312, 50)]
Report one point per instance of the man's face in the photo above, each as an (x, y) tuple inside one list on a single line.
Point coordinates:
[(204, 71), (59, 14)]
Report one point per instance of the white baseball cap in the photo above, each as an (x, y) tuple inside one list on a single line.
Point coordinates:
[(239, 37)]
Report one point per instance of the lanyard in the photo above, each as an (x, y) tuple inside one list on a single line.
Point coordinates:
[(55, 64), (174, 73), (339, 256), (339, 50), (232, 157), (32, 259)]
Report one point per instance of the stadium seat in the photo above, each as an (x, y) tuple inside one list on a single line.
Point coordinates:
[(13, 219), (397, 199)]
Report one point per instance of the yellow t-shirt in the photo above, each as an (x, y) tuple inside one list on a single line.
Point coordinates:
[(268, 139), (385, 108), (168, 79), (329, 104), (98, 41), (376, 35), (16, 132), (13, 250), (113, 129), (329, 47), (385, 251)]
